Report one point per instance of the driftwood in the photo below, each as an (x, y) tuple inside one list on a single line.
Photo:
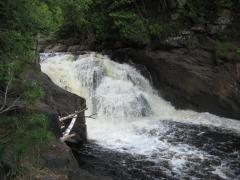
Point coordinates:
[(66, 138), (69, 128), (66, 134), (71, 115)]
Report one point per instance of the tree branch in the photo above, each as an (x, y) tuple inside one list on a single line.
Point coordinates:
[(91, 116), (69, 128), (11, 107), (6, 93), (65, 138), (71, 115)]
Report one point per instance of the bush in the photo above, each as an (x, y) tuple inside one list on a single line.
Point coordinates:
[(33, 92), (222, 48), (23, 138), (130, 26), (161, 31)]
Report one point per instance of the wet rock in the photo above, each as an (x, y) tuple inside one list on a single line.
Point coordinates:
[(60, 102), (59, 159), (56, 48), (191, 79), (75, 48)]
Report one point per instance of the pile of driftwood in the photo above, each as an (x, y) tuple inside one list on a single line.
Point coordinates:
[(74, 116)]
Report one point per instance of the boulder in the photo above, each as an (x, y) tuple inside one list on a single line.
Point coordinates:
[(59, 102), (59, 160)]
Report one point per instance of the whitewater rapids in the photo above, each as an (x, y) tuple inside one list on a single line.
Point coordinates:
[(131, 115)]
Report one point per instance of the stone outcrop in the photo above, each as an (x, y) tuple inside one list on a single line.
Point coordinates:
[(60, 102), (62, 165), (57, 159), (198, 67), (191, 79)]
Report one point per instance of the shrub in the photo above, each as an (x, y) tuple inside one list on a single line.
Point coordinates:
[(222, 48), (23, 138), (33, 92), (130, 26), (163, 30)]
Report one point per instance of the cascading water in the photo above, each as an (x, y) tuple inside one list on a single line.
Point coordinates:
[(134, 121)]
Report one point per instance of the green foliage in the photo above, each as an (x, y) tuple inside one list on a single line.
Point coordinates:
[(130, 26), (238, 51), (192, 8), (75, 13), (33, 92), (204, 10), (28, 16), (163, 30), (118, 20), (124, 21), (21, 21), (222, 48), (24, 134), (32, 132), (16, 53)]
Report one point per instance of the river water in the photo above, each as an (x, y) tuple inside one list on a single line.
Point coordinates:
[(136, 133)]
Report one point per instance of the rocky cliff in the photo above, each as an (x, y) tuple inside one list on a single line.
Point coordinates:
[(57, 160), (199, 66), (58, 102)]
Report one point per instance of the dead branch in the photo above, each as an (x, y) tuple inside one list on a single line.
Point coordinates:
[(91, 116), (67, 137), (69, 128), (11, 107), (4, 108), (71, 115), (6, 93)]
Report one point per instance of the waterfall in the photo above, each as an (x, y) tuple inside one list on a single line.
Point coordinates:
[(118, 91), (129, 110)]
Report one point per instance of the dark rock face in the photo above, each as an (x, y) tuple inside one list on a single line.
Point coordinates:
[(198, 67), (191, 79), (59, 158), (60, 102)]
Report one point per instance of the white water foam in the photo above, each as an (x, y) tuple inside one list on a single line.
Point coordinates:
[(127, 107)]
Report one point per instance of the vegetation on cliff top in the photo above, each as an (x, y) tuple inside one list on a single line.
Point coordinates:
[(136, 22)]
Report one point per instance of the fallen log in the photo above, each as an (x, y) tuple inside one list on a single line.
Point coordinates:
[(71, 115), (66, 138), (69, 128)]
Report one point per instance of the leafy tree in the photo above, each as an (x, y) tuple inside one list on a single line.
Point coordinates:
[(21, 21)]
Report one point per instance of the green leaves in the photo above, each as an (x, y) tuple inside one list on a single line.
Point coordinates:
[(75, 12), (23, 134), (130, 26), (16, 53), (238, 51), (32, 92), (21, 20)]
